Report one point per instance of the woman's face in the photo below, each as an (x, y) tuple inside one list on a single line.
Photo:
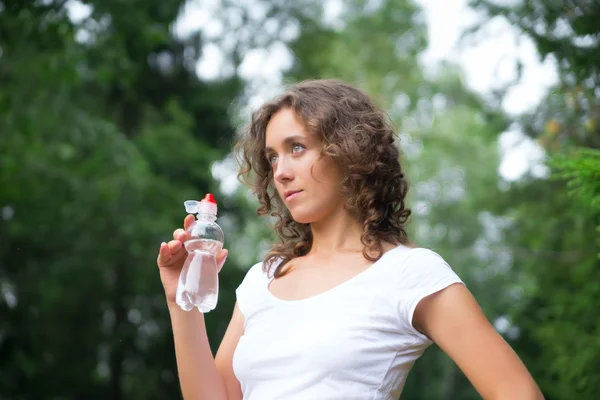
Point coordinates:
[(308, 183)]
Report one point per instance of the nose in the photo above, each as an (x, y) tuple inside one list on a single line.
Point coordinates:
[(283, 171)]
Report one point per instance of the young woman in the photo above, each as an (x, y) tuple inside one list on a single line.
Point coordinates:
[(344, 305)]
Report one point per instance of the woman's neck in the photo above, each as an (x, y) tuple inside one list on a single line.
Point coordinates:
[(339, 232)]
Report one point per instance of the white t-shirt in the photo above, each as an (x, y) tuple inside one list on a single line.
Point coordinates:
[(354, 341)]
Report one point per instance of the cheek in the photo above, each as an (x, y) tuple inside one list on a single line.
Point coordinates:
[(327, 177), (326, 171)]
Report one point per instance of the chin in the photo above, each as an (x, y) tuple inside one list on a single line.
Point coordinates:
[(303, 216), (307, 216)]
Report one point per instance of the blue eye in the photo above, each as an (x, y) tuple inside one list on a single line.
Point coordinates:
[(297, 146)]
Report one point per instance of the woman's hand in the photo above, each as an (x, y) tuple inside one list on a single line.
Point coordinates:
[(172, 255)]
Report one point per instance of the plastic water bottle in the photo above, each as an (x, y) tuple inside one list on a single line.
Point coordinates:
[(199, 281)]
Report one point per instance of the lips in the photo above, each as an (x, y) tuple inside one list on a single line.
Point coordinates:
[(289, 194)]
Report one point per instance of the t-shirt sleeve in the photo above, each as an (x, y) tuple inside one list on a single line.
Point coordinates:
[(246, 291), (423, 273)]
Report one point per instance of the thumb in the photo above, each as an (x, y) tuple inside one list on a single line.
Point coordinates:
[(188, 220), (221, 257)]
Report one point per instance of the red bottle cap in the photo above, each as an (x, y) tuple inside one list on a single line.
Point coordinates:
[(210, 198)]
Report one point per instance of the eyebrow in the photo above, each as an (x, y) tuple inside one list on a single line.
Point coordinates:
[(287, 141)]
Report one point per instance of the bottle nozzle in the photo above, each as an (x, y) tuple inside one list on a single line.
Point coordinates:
[(208, 205), (191, 206), (210, 198)]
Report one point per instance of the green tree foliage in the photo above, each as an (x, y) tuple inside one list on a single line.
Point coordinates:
[(105, 131), (554, 232), (581, 170)]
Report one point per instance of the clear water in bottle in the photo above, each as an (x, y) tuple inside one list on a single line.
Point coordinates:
[(199, 281)]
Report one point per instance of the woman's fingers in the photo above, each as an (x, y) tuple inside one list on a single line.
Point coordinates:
[(181, 235), (174, 246), (164, 254), (171, 253)]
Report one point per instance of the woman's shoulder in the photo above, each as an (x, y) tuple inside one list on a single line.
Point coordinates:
[(261, 271), (255, 272), (411, 252), (401, 253), (413, 265)]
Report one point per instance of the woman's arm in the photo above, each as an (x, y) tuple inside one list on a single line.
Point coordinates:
[(224, 357), (201, 377), (453, 319)]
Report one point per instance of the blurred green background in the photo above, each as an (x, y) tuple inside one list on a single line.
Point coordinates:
[(114, 112)]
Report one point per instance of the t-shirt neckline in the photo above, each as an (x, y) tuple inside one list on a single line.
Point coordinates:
[(334, 289)]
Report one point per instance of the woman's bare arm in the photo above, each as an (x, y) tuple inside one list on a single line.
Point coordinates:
[(224, 357), (453, 319), (201, 377)]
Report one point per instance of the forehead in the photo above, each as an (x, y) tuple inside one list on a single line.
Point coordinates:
[(284, 123)]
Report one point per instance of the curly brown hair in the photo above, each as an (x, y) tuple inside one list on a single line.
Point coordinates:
[(359, 138)]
